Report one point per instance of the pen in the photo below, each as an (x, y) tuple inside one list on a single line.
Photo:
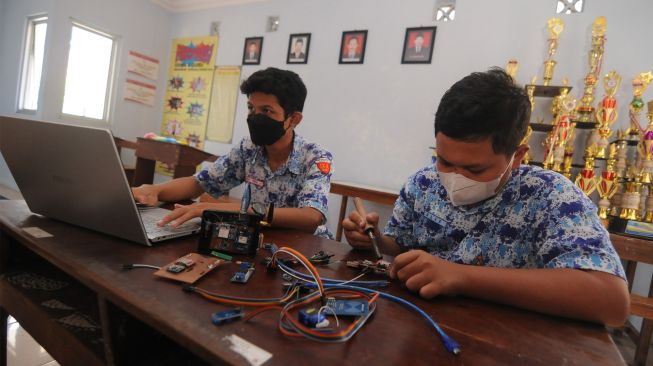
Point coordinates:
[(369, 229)]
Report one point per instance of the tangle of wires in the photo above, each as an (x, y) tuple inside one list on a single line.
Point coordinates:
[(293, 302)]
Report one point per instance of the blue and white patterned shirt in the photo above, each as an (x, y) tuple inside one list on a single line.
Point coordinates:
[(539, 220), (303, 181)]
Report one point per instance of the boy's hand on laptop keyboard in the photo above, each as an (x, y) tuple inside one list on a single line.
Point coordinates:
[(183, 213), (146, 194)]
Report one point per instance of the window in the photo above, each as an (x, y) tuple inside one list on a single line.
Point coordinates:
[(89, 73), (569, 6), (30, 80), (445, 10)]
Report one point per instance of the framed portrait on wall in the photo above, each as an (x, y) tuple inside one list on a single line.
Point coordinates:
[(418, 45), (298, 46), (252, 51), (352, 47)]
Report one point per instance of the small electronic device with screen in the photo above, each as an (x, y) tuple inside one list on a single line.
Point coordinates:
[(229, 232)]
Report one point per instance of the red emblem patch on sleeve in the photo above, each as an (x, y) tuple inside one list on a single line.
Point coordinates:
[(323, 165)]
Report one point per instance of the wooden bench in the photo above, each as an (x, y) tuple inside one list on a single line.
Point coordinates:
[(635, 250)]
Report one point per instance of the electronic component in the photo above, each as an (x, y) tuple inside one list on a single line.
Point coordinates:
[(221, 255), (181, 264), (348, 307), (320, 257), (380, 267), (188, 268), (245, 271), (229, 232), (312, 318), (227, 316), (288, 262)]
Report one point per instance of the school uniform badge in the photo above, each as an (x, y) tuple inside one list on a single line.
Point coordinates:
[(323, 165)]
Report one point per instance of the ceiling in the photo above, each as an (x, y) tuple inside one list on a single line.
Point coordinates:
[(178, 6)]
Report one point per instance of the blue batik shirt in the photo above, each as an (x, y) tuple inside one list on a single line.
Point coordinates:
[(540, 219), (303, 181)]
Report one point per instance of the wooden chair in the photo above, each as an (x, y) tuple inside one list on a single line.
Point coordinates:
[(633, 251), (363, 192)]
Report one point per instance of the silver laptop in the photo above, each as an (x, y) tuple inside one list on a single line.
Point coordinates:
[(74, 174)]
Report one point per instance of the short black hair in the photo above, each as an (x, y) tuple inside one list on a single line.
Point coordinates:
[(299, 40), (286, 85), (485, 104)]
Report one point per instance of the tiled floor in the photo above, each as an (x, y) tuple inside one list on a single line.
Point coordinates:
[(22, 349)]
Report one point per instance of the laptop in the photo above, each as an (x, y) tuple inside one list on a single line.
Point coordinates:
[(74, 174)]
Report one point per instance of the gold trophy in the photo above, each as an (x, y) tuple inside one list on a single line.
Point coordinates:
[(640, 83), (585, 109), (563, 132), (645, 149), (530, 91), (608, 184), (630, 200), (607, 112), (586, 180), (622, 154), (556, 26), (512, 67), (648, 216), (569, 154)]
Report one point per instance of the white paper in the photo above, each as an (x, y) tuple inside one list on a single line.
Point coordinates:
[(143, 65), (253, 354), (37, 232), (140, 92)]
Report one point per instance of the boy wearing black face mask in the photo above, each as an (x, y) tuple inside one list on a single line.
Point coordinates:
[(480, 224), (279, 165)]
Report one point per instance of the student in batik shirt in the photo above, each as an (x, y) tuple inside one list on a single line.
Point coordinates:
[(279, 165), (478, 223)]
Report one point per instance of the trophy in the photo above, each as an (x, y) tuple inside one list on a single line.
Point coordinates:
[(530, 91), (630, 200), (569, 154), (512, 67), (556, 26), (648, 216), (607, 112), (622, 154), (563, 131), (608, 184), (585, 179), (645, 149), (640, 83), (585, 108)]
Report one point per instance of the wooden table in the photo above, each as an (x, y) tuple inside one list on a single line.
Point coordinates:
[(488, 333), (184, 158)]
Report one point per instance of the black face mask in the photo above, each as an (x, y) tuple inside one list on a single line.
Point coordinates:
[(264, 130)]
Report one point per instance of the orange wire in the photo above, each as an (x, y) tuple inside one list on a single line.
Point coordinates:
[(308, 264)]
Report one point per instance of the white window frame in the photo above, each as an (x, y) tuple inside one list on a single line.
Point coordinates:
[(108, 98), (28, 54)]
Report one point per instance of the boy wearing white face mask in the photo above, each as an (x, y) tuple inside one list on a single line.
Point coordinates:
[(479, 224)]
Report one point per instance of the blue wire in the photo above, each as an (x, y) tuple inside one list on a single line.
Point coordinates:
[(449, 343)]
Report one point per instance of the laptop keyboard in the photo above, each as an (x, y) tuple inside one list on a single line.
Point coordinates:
[(151, 217)]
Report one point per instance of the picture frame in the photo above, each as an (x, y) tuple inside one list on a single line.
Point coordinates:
[(252, 50), (352, 47), (418, 45), (298, 48)]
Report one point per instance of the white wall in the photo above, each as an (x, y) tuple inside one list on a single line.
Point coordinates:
[(139, 25), (377, 117)]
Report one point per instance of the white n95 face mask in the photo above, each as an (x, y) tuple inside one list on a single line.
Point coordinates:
[(464, 191)]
